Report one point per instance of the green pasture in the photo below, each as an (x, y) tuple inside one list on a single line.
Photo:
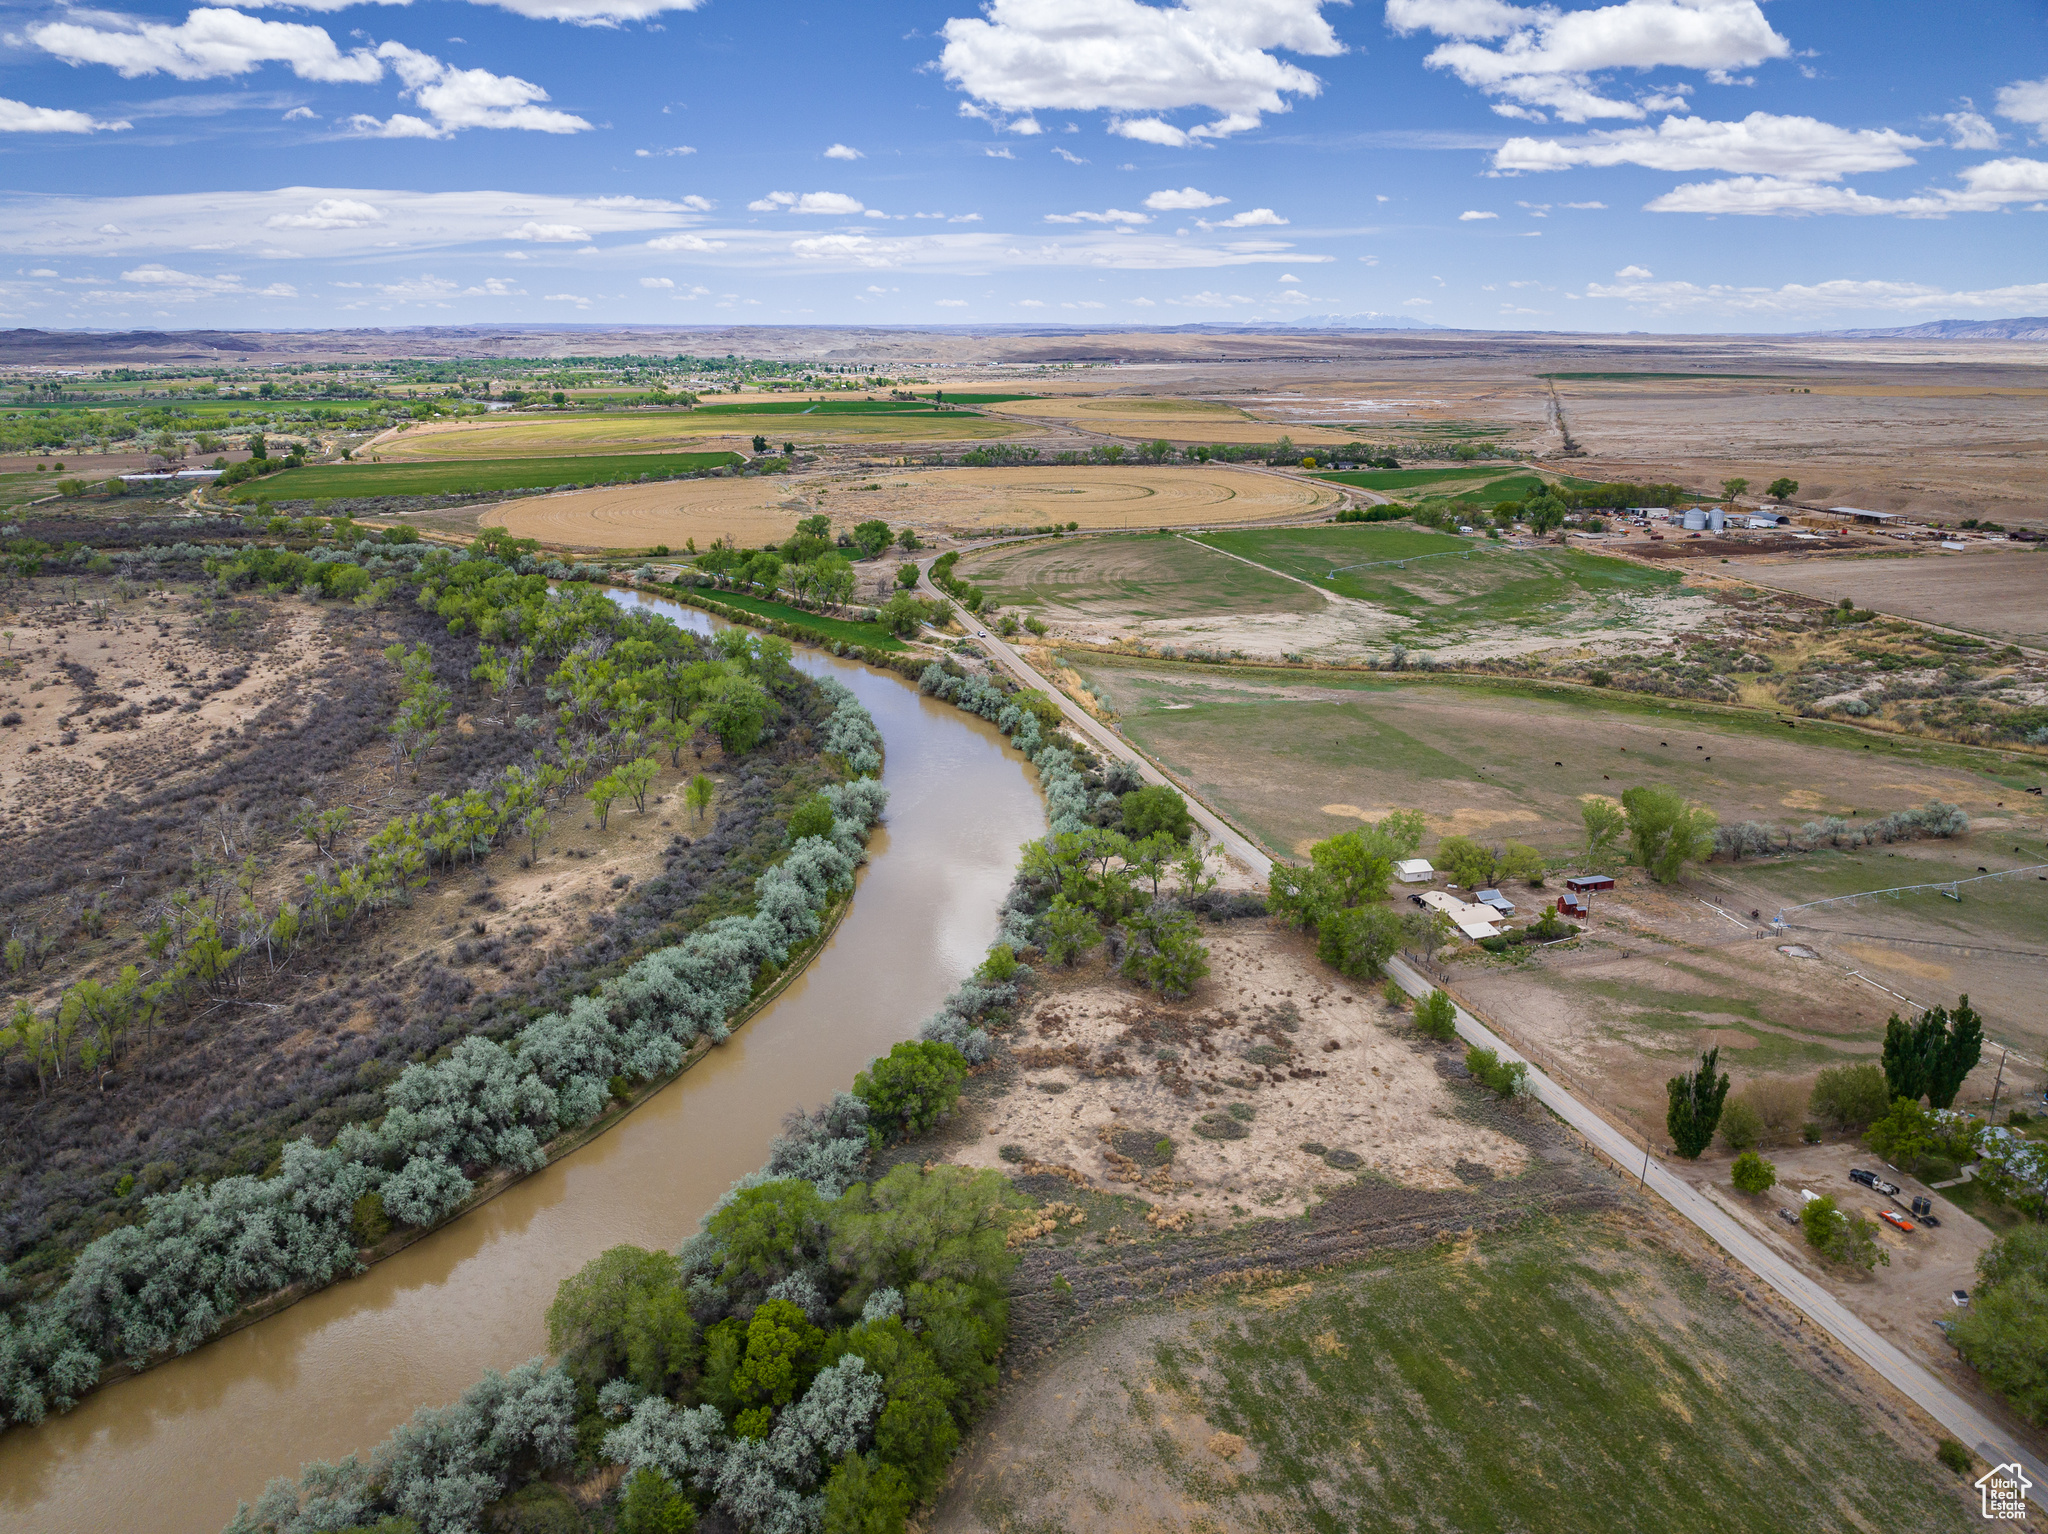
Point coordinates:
[(754, 406), (350, 481), (1402, 479), (1560, 1377), (983, 399), (871, 634), (1131, 577)]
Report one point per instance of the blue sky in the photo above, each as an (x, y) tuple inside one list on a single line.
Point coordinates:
[(1693, 165)]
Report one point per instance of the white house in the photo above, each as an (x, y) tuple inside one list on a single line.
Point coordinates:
[(1475, 921), (1414, 871)]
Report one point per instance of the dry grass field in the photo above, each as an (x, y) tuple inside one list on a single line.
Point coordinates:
[(2000, 592), (749, 511), (1177, 420)]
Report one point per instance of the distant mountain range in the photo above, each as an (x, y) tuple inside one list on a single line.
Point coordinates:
[(2034, 329)]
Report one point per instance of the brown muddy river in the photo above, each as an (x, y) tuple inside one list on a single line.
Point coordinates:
[(172, 1450)]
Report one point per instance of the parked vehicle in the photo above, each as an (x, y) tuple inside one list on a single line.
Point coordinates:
[(1788, 1217), (1922, 1209), (1871, 1180), (1896, 1220)]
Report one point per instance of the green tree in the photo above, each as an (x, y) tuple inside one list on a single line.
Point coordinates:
[(865, 1495), (635, 778), (780, 1358), (1839, 1237), (1732, 489), (1166, 952), (1665, 832), (1520, 861), (1605, 820), (811, 818), (603, 794), (1467, 862), (698, 795), (1695, 1110), (1436, 1015), (736, 709), (1358, 942), (1543, 513), (1752, 1174), (1849, 1096), (2003, 1334), (1741, 1125), (918, 1227), (906, 576), (907, 1089), (625, 1313), (760, 445), (769, 1229), (1067, 930), (1154, 810), (1783, 489), (652, 1505), (1505, 1078), (872, 538), (1930, 1057)]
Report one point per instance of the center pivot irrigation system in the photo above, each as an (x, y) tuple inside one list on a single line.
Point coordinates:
[(1411, 559), (1952, 888)]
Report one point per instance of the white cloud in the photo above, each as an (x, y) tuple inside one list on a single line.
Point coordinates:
[(20, 117), (301, 115), (163, 284), (2025, 101), (1471, 214), (1634, 271), (1251, 218), (397, 125), (844, 152), (1107, 216), (1135, 61), (566, 298), (679, 149), (1815, 298), (1186, 197), (475, 98), (1001, 152), (1970, 130), (1030, 303), (1986, 188), (694, 243), (1583, 205), (656, 282), (835, 204), (951, 303), (329, 213), (548, 234), (1800, 148), (210, 43), (1548, 58), (590, 13), (1067, 155)]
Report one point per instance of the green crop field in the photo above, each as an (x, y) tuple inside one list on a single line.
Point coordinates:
[(983, 399), (1563, 1377), (822, 407), (1402, 479), (1131, 577), (350, 481), (870, 634), (1445, 583)]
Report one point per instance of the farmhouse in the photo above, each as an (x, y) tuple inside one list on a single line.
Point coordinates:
[(1475, 921)]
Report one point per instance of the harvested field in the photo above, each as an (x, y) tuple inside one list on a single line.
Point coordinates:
[(1297, 758), (749, 511), (1997, 591), (1572, 1375), (1177, 420), (755, 511), (652, 431), (1126, 579)]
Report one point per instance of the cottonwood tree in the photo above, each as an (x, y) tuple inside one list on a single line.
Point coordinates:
[(1783, 489), (698, 795), (1665, 832)]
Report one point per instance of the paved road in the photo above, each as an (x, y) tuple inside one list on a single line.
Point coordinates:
[(1911, 1378)]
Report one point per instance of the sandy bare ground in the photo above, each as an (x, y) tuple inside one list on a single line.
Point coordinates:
[(1308, 1057), (1992, 589)]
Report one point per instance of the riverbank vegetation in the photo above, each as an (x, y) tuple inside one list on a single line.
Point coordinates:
[(180, 1158)]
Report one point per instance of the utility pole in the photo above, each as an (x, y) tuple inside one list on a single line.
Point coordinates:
[(1992, 1116)]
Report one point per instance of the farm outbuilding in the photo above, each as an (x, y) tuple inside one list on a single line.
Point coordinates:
[(1414, 871)]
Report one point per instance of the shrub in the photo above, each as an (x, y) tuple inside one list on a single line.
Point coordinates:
[(1155, 809), (1166, 953), (1437, 1016), (1067, 930), (1752, 1173), (1844, 1238), (1954, 1456), (1741, 1125), (866, 1496), (910, 1087), (1396, 997), (1507, 1078), (1000, 967), (1810, 1132), (811, 818), (652, 1505), (1849, 1097)]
